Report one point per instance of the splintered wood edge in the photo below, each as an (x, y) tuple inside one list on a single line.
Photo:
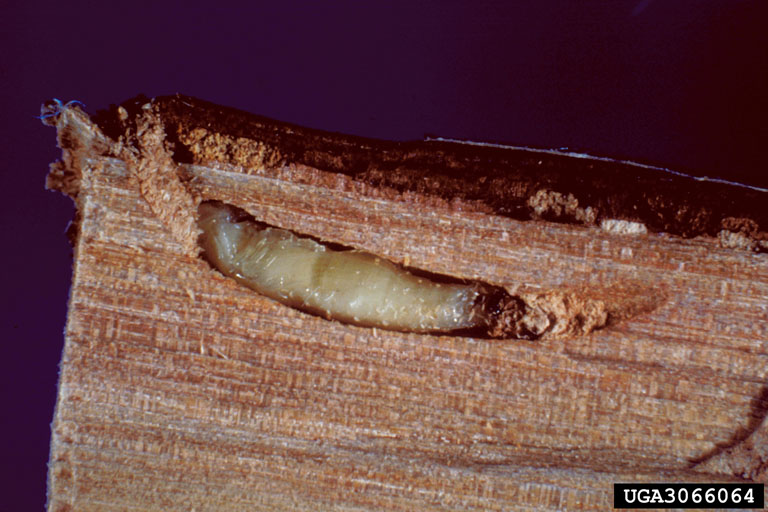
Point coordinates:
[(617, 196)]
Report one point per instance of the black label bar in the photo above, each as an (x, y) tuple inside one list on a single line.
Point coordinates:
[(702, 495)]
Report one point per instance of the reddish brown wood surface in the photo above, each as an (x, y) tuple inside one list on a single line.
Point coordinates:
[(181, 390)]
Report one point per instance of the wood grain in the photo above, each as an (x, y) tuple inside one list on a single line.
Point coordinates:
[(182, 390)]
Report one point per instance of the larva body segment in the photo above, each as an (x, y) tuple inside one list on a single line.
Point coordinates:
[(348, 285)]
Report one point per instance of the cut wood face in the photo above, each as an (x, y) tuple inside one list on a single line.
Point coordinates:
[(178, 381)]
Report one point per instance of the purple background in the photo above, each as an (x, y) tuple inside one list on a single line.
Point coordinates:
[(682, 83)]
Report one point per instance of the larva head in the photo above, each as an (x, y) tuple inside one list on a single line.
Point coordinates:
[(219, 236)]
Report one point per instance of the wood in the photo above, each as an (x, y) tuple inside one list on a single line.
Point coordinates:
[(182, 390)]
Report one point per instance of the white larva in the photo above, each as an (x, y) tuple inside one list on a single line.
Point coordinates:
[(347, 285)]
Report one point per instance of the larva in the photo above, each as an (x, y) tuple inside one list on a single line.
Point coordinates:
[(352, 286)]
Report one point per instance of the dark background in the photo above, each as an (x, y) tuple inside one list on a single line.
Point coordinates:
[(680, 83)]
